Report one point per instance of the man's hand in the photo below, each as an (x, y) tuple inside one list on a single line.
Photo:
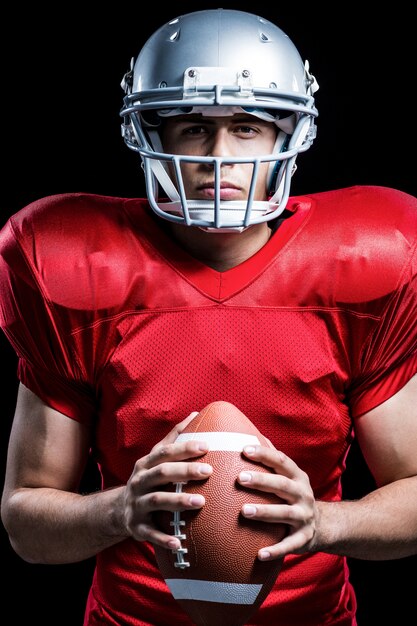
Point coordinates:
[(167, 462)]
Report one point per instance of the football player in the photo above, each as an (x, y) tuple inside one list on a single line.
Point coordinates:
[(129, 315)]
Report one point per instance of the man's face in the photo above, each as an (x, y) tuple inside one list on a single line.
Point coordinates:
[(239, 135)]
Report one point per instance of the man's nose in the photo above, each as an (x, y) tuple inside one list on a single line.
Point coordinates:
[(220, 143)]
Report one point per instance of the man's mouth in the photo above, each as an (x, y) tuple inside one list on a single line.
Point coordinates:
[(228, 191)]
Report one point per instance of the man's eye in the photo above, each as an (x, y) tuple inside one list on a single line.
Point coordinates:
[(245, 129), (194, 130)]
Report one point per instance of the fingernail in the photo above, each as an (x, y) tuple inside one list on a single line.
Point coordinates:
[(203, 446), (249, 509), (249, 450), (264, 555), (196, 500), (205, 468), (245, 477), (173, 544)]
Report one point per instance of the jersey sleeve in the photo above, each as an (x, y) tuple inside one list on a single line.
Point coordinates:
[(389, 356), (47, 363)]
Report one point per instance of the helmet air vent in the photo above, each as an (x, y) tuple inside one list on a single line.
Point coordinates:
[(175, 36)]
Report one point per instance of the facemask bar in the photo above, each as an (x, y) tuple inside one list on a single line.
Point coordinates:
[(218, 95)]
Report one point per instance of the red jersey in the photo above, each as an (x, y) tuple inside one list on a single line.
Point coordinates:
[(114, 323)]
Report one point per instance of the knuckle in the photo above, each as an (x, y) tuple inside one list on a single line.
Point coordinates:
[(283, 483), (191, 448), (163, 451), (291, 513), (282, 456), (139, 465), (139, 533), (309, 534), (259, 479), (155, 500), (184, 502), (135, 484), (192, 471), (310, 501), (162, 473)]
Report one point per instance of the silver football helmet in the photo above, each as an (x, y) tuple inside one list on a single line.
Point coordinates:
[(203, 62)]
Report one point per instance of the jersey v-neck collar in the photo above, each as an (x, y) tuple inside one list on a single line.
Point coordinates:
[(214, 284)]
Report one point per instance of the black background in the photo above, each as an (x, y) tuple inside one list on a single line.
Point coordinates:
[(60, 132)]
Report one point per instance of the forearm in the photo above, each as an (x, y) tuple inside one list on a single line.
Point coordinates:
[(380, 526), (52, 526)]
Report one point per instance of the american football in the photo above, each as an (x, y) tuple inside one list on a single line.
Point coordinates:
[(216, 575)]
